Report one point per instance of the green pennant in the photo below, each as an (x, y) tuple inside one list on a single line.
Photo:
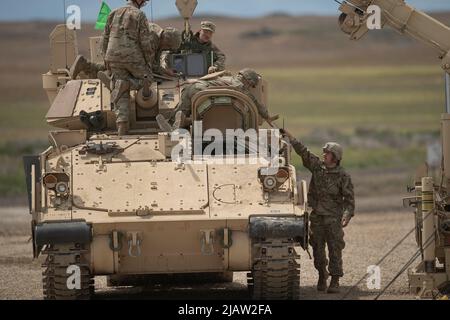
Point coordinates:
[(102, 16)]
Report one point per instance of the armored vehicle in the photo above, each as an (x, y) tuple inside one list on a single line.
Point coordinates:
[(123, 206), (432, 198)]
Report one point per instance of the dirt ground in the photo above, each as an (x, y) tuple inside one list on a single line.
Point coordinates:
[(368, 237)]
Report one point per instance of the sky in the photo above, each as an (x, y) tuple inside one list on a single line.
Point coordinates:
[(54, 9)]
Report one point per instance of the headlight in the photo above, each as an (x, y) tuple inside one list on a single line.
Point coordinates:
[(62, 187), (270, 182), (273, 180), (57, 181), (50, 181), (282, 175)]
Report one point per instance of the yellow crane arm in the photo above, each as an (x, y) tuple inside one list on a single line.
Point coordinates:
[(401, 17)]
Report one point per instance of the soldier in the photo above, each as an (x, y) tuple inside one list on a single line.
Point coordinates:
[(168, 39), (161, 39), (332, 200), (243, 81), (127, 49), (202, 42)]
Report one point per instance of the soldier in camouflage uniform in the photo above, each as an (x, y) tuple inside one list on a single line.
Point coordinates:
[(332, 200), (167, 39), (127, 49), (243, 81), (201, 42)]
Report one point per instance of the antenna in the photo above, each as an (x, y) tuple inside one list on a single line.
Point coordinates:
[(151, 10), (65, 33)]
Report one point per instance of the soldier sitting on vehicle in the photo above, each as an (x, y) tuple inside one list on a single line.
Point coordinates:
[(201, 42), (243, 82), (332, 200)]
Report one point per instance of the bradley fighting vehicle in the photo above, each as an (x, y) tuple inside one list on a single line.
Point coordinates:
[(432, 198), (101, 204)]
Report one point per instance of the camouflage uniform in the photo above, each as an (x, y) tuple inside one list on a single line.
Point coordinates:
[(330, 196), (91, 69), (127, 49), (209, 48), (234, 82), (160, 50)]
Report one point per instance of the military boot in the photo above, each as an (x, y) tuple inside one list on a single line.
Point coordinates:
[(334, 285), (122, 128), (179, 120), (80, 64), (322, 283), (120, 87), (105, 78), (163, 123)]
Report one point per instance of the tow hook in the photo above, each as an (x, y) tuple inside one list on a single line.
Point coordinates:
[(207, 242), (134, 241)]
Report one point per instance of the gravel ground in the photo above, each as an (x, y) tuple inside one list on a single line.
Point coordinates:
[(368, 237)]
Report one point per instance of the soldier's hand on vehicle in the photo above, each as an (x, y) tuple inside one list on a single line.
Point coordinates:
[(172, 72), (346, 220), (287, 134), (212, 70)]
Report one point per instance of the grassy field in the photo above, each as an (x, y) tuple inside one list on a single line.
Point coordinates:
[(384, 116), (401, 99)]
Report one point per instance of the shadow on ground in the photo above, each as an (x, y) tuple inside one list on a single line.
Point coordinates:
[(228, 291)]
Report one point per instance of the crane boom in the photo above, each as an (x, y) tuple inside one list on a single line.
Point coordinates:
[(401, 17), (407, 20)]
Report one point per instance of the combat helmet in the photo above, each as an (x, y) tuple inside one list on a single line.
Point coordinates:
[(335, 148), (251, 76), (171, 38)]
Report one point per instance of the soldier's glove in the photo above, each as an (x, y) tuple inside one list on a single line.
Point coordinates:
[(286, 133), (171, 72), (346, 219)]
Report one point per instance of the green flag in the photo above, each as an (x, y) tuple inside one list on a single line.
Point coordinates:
[(102, 16)]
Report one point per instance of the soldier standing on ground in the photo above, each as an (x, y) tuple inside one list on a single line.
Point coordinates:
[(127, 49), (202, 42), (332, 200)]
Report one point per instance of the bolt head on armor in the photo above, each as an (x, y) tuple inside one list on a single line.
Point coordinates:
[(208, 25), (335, 149)]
